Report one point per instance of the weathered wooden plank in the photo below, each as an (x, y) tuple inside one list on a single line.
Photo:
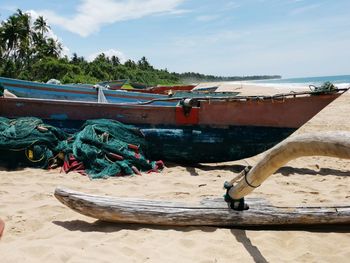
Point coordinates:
[(207, 213)]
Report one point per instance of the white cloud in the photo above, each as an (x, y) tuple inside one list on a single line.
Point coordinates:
[(109, 53), (92, 14)]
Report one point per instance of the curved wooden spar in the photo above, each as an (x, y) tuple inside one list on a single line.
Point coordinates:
[(332, 144), (206, 213)]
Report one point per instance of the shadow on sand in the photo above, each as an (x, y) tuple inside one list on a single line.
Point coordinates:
[(285, 170), (254, 252), (102, 226), (288, 170)]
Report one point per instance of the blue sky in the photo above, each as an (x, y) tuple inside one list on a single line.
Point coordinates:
[(293, 38)]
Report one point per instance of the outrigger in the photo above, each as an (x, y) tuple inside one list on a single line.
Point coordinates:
[(233, 209)]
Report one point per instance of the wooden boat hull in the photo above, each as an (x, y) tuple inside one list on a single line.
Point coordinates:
[(214, 131), (207, 213)]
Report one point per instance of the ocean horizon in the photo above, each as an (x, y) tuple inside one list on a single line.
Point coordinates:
[(341, 81)]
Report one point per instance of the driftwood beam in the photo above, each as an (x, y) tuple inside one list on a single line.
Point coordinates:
[(212, 212), (332, 144)]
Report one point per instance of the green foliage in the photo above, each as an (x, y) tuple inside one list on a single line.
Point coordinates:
[(78, 78), (191, 77), (52, 68)]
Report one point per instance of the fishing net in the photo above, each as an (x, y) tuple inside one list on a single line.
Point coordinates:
[(109, 148), (102, 148), (28, 142)]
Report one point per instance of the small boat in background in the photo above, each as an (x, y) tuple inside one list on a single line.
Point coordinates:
[(170, 90), (166, 89), (114, 84), (205, 89), (138, 86)]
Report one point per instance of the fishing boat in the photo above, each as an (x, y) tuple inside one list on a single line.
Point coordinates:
[(165, 89), (75, 92), (108, 91), (190, 130)]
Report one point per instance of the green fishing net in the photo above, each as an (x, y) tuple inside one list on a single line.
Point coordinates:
[(103, 147), (110, 148), (29, 142)]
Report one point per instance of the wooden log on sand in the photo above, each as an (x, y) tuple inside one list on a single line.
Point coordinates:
[(332, 144), (214, 212)]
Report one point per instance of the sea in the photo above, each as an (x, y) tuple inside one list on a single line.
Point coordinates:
[(341, 81)]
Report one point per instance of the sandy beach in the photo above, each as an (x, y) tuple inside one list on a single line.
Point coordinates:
[(40, 229)]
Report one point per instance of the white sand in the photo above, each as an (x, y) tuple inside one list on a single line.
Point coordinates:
[(40, 229)]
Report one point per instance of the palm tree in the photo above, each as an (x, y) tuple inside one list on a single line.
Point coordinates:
[(144, 64), (24, 34), (16, 35), (41, 26), (9, 35), (53, 48), (115, 60)]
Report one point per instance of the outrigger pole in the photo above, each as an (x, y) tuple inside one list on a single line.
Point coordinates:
[(332, 144)]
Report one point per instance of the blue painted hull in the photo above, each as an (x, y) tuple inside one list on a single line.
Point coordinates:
[(75, 92), (208, 145), (200, 144), (88, 93)]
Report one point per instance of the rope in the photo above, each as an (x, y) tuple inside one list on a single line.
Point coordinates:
[(29, 154), (101, 96), (245, 179), (241, 174)]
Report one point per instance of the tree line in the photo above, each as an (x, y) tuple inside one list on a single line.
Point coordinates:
[(28, 52)]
